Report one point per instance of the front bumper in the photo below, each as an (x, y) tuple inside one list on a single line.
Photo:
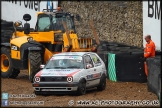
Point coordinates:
[(55, 86)]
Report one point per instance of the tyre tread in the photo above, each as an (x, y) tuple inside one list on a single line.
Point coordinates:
[(35, 62)]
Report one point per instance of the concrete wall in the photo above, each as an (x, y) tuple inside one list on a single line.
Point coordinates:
[(113, 20)]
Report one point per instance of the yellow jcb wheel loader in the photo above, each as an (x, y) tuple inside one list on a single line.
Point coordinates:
[(54, 33)]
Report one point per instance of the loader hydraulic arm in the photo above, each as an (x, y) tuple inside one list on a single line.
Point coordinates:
[(68, 36)]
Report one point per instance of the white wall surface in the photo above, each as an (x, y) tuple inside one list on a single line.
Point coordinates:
[(15, 11), (151, 25)]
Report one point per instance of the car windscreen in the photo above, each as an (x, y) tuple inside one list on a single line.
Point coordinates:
[(65, 62)]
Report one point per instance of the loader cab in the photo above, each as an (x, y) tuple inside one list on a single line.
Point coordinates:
[(52, 21)]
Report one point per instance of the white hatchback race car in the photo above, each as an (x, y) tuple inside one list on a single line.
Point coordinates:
[(71, 72)]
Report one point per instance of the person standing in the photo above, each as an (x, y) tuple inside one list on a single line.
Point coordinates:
[(150, 47), (149, 51)]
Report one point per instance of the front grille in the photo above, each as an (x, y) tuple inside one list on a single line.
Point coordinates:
[(82, 43), (53, 79), (85, 43)]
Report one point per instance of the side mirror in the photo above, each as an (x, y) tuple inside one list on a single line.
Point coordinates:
[(27, 17), (42, 66), (77, 17)]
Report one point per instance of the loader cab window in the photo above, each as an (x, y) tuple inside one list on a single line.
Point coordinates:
[(57, 22), (69, 22), (43, 23), (46, 23)]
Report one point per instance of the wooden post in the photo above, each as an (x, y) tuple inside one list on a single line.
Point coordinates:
[(94, 33)]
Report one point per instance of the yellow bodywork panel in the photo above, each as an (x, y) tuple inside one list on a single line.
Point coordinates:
[(78, 44), (19, 41), (74, 39), (44, 37), (40, 36), (47, 55), (15, 54), (40, 13)]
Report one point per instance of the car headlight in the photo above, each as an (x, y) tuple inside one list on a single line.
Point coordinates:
[(69, 79), (30, 39), (37, 79)]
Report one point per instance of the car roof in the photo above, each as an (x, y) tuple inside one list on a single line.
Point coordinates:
[(73, 53)]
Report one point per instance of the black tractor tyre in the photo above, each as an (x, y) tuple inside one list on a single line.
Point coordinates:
[(15, 73), (6, 36), (158, 53), (7, 24), (159, 88), (139, 54), (34, 62), (134, 50), (6, 63), (5, 40), (112, 44), (81, 87), (123, 48), (7, 31), (7, 28), (102, 84)]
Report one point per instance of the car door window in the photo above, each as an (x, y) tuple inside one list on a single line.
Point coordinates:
[(88, 61), (96, 60)]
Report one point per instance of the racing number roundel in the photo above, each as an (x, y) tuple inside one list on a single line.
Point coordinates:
[(69, 79), (37, 79)]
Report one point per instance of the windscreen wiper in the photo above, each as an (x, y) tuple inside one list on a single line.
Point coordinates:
[(73, 67), (48, 68), (60, 67), (56, 67)]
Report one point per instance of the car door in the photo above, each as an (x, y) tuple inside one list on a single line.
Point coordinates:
[(98, 68), (88, 71)]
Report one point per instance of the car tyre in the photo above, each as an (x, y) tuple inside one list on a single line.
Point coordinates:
[(102, 84), (37, 93), (81, 87)]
